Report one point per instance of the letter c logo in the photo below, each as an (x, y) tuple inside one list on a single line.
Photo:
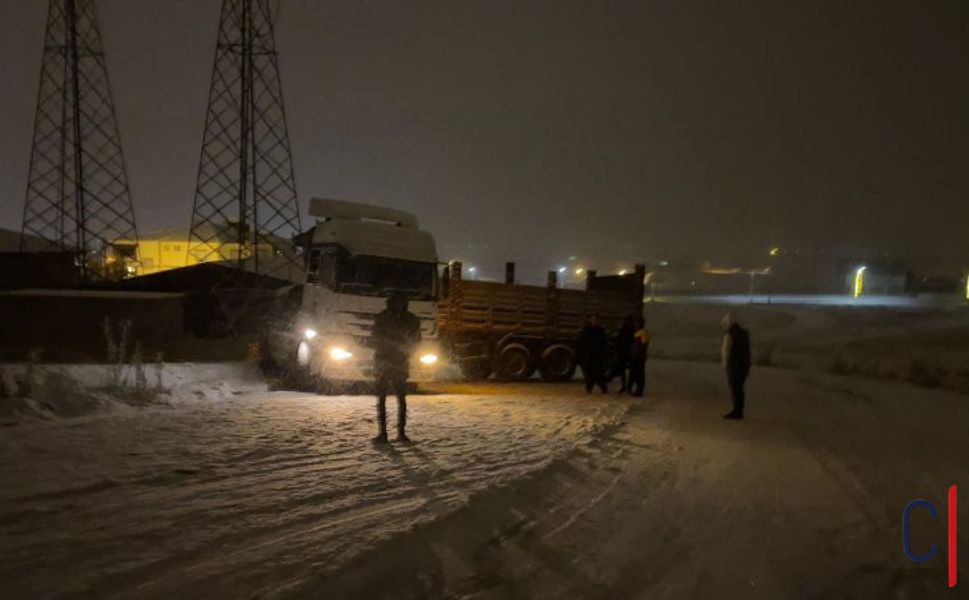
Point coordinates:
[(906, 531)]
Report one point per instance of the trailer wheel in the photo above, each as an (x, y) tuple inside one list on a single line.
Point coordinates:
[(558, 364), (476, 369), (515, 363)]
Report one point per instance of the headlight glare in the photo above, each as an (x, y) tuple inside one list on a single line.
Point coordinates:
[(337, 353), (310, 333)]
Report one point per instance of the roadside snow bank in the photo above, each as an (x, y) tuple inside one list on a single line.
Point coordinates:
[(72, 390)]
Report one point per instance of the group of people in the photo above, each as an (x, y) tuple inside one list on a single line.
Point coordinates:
[(396, 333), (628, 364), (631, 349)]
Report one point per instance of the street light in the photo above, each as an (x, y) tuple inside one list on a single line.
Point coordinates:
[(859, 287)]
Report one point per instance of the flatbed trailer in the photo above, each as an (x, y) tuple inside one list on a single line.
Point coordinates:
[(513, 330)]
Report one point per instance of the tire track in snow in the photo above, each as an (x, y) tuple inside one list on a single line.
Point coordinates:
[(189, 502)]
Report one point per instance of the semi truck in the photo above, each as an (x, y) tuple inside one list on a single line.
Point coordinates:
[(355, 257), (359, 254)]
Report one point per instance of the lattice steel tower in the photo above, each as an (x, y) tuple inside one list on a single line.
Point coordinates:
[(77, 189), (246, 208)]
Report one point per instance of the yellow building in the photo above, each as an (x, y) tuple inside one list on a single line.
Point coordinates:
[(166, 249)]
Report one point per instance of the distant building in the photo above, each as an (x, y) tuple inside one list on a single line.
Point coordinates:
[(166, 249)]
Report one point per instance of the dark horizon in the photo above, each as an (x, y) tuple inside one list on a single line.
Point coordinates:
[(696, 129)]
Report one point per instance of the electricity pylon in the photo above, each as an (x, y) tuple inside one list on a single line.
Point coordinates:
[(77, 198), (246, 208)]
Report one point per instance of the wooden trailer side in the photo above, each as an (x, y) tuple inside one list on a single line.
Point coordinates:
[(516, 329)]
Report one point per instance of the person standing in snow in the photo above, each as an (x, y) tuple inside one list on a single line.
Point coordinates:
[(624, 343), (735, 357), (396, 331), (593, 346), (639, 352)]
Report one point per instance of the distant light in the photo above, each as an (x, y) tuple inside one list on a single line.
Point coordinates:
[(310, 334), (860, 281), (472, 269), (622, 271), (562, 270), (774, 251), (428, 359), (579, 271), (664, 263), (573, 258)]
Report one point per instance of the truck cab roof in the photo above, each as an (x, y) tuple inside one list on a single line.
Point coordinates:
[(364, 229)]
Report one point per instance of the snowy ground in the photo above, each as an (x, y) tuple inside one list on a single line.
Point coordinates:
[(846, 300), (925, 344), (510, 492), (54, 391)]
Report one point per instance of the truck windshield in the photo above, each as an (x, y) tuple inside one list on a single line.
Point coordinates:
[(332, 266), (378, 276)]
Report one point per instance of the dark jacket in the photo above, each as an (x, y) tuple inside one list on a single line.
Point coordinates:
[(640, 345), (624, 341), (395, 334), (593, 345), (737, 351)]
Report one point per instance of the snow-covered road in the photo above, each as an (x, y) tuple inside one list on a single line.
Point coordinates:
[(510, 492), (263, 490)]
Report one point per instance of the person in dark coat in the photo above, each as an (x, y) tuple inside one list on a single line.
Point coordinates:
[(638, 354), (735, 356), (396, 331), (624, 344), (593, 346)]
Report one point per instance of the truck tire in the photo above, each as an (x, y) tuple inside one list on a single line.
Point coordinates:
[(558, 364), (515, 363), (476, 369), (297, 372), (267, 361)]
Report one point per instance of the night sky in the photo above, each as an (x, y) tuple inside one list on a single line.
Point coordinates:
[(647, 128)]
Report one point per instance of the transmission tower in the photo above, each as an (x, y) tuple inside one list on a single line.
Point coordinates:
[(246, 209), (77, 188)]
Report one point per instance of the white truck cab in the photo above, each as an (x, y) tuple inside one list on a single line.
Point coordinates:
[(357, 255)]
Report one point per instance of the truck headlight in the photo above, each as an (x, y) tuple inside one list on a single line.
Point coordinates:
[(310, 334), (428, 359), (339, 354)]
